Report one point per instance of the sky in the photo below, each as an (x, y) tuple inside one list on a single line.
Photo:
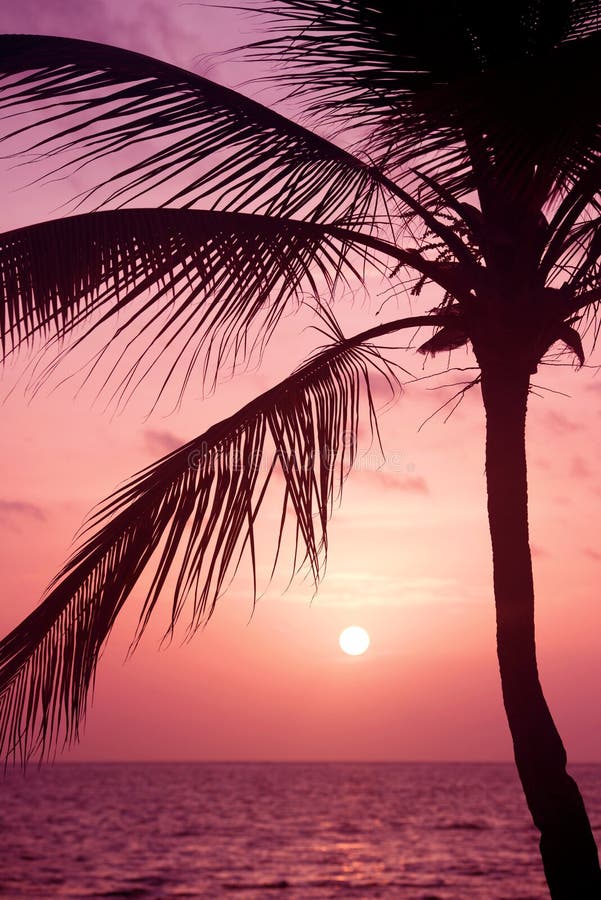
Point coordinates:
[(409, 548)]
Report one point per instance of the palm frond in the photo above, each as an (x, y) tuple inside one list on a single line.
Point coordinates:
[(171, 281), (95, 100), (191, 514), (584, 19), (447, 86), (103, 99), (377, 53)]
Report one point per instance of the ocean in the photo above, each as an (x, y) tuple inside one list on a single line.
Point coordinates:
[(297, 831)]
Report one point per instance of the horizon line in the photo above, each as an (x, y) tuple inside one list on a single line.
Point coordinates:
[(266, 761)]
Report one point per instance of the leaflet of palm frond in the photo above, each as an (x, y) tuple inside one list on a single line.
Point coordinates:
[(187, 519), (578, 259), (450, 337), (426, 75), (574, 219), (97, 100), (572, 340), (189, 280)]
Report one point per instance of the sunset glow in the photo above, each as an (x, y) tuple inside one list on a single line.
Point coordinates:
[(299, 320), (409, 551)]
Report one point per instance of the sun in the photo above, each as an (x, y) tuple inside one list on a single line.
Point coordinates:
[(354, 640)]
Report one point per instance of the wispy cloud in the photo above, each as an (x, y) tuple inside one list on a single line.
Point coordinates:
[(390, 481), (592, 554), (358, 588), (383, 390), (561, 424), (580, 468), (144, 25), (11, 510), (57, 17), (161, 442)]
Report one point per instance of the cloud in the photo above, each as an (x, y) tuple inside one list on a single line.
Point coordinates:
[(541, 462), (383, 390), (58, 17), (146, 25), (20, 509), (359, 588), (413, 484), (161, 442), (580, 468), (410, 484), (561, 424), (592, 554)]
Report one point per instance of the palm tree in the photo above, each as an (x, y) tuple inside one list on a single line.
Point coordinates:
[(476, 166)]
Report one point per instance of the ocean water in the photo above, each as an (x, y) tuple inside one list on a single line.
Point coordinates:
[(272, 830)]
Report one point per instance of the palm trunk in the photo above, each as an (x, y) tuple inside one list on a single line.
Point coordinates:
[(567, 845)]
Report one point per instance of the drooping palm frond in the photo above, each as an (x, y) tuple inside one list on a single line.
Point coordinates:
[(199, 286), (191, 514), (171, 280), (100, 99), (97, 100)]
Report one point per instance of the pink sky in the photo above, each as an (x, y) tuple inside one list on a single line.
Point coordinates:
[(410, 557)]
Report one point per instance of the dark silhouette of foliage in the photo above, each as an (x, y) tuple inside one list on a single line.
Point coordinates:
[(467, 152)]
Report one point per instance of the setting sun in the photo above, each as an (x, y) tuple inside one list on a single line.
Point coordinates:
[(354, 640)]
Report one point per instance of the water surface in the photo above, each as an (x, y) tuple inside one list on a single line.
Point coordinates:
[(256, 831)]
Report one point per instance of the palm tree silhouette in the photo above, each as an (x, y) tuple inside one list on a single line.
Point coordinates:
[(477, 166)]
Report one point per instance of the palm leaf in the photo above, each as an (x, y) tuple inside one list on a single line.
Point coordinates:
[(191, 514), (177, 281), (98, 100), (111, 99), (178, 285)]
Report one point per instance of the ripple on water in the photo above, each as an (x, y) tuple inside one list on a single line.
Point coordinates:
[(302, 831)]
